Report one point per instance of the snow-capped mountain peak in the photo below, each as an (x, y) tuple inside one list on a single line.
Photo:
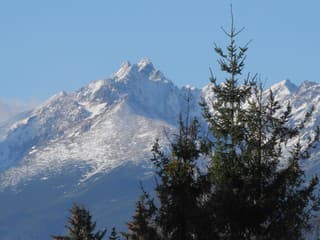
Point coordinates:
[(143, 70), (308, 86), (133, 106), (285, 87), (123, 71), (95, 86), (145, 65)]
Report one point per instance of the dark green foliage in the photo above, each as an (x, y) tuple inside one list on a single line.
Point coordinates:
[(114, 234), (252, 195), (179, 184), (177, 214), (81, 226), (142, 226)]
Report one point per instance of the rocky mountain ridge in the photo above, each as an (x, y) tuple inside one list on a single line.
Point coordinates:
[(93, 146)]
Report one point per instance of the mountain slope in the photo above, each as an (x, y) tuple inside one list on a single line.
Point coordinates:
[(100, 127), (11, 108)]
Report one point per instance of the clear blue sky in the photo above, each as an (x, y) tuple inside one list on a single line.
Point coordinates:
[(50, 46)]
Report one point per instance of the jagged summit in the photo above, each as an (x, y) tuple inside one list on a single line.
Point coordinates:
[(146, 66), (144, 69), (309, 91), (308, 85), (123, 70), (285, 87)]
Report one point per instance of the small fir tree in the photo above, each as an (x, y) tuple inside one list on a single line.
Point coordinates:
[(178, 213), (179, 188), (114, 234), (80, 226), (142, 225)]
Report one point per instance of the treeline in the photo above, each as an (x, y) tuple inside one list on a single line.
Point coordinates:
[(253, 187)]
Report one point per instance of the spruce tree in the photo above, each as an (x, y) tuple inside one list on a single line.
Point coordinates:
[(179, 185), (252, 195), (177, 212), (81, 226), (142, 226)]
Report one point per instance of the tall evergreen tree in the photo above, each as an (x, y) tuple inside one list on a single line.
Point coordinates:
[(81, 226), (252, 195), (254, 189)]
